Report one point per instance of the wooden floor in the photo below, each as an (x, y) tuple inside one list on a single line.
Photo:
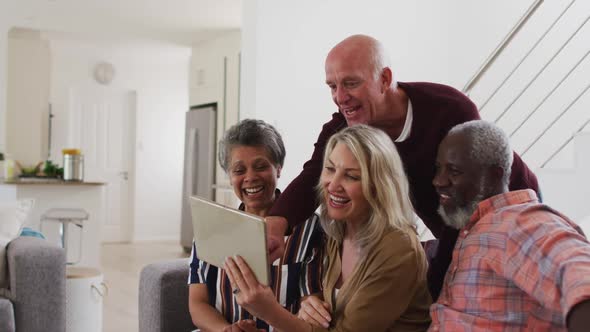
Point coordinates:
[(121, 265)]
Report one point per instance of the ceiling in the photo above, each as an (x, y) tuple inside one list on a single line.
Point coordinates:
[(178, 21)]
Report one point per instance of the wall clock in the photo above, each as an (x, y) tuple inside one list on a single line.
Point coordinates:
[(104, 73)]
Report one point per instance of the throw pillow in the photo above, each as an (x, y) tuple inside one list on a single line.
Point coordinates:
[(12, 218)]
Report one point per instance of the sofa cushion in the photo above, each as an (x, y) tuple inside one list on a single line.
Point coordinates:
[(6, 316), (37, 270), (12, 217), (163, 297)]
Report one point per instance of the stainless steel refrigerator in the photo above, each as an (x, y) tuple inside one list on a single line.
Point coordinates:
[(199, 163)]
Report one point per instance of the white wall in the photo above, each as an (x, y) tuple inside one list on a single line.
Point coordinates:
[(208, 85), (285, 44), (3, 59), (4, 27), (566, 191), (7, 20), (206, 76), (248, 70), (159, 75)]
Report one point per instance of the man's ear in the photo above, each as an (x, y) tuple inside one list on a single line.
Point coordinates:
[(279, 168), (386, 79)]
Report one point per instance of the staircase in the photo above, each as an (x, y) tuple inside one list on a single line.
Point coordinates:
[(535, 86)]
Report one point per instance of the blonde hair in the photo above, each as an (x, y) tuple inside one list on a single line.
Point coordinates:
[(384, 185)]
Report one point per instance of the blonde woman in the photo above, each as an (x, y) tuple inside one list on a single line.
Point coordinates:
[(375, 278)]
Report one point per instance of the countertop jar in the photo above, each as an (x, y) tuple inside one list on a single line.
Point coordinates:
[(73, 165)]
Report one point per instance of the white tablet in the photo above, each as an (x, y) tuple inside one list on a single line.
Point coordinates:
[(220, 231)]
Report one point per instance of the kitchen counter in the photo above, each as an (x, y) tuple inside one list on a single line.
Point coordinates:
[(41, 181), (55, 193)]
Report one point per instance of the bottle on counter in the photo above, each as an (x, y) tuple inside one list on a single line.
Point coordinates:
[(73, 165)]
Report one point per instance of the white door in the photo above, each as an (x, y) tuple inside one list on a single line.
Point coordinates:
[(102, 124)]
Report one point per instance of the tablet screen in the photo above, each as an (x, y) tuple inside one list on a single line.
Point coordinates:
[(220, 231)]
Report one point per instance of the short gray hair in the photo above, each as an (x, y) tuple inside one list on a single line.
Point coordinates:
[(490, 145), (380, 58), (255, 133)]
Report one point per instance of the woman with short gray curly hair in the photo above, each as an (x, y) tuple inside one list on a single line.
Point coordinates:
[(251, 132), (252, 154)]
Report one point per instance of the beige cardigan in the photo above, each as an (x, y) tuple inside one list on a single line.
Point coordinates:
[(389, 291)]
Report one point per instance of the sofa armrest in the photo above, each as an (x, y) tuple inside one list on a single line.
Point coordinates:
[(6, 316), (163, 297), (37, 284)]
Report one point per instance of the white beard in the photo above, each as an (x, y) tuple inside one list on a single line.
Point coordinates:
[(461, 216)]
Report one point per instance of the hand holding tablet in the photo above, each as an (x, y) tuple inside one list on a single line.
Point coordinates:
[(221, 232)]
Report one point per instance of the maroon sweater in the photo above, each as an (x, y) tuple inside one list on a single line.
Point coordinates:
[(436, 109)]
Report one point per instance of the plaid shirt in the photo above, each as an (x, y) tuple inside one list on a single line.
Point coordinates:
[(517, 265)]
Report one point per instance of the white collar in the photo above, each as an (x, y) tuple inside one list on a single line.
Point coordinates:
[(408, 125)]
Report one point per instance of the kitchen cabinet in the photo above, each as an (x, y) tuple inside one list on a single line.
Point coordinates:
[(27, 95), (215, 78)]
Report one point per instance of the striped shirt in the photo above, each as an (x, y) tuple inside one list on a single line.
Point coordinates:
[(296, 274), (518, 265)]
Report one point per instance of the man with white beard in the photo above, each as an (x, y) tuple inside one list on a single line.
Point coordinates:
[(517, 265)]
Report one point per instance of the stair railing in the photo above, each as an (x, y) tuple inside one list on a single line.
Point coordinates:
[(500, 48), (496, 52)]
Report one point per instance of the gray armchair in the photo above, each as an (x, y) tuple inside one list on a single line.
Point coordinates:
[(35, 299), (163, 297)]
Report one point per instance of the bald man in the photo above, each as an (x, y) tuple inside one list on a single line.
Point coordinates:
[(416, 116)]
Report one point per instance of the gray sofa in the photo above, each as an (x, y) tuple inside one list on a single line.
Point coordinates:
[(35, 299), (163, 297)]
